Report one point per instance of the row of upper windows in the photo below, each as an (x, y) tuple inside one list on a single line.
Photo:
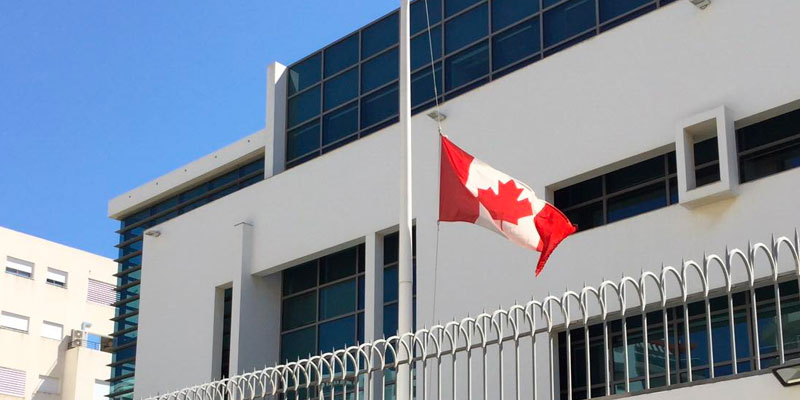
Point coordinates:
[(24, 269), (49, 330), (349, 89), (764, 148)]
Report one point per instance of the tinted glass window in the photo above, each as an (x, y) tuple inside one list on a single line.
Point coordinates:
[(515, 44), (337, 299), (421, 49), (567, 20), (299, 344), (706, 151), (768, 131), (637, 202), (614, 8), (389, 284), (341, 55), (770, 161), (341, 89), (390, 320), (467, 66), (419, 19), (466, 28), (379, 35), (422, 85), (337, 334), (635, 174), (299, 310), (579, 193), (338, 265), (305, 74), (302, 140), (454, 6), (304, 106), (588, 216), (380, 70), (506, 12), (340, 124), (379, 106)]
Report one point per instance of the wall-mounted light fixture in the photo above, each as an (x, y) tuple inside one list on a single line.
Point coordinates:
[(701, 4), (788, 375), (153, 233)]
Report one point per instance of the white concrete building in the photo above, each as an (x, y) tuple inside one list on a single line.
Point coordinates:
[(673, 134), (48, 294)]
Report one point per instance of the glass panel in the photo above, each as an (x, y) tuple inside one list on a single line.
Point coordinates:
[(515, 44), (770, 161), (305, 74), (390, 320), (567, 20), (341, 55), (337, 334), (303, 106), (768, 131), (361, 289), (790, 315), (706, 151), (673, 190), (338, 265), (341, 89), (340, 123), (379, 106), (337, 299), (579, 193), (467, 66), (635, 174), (422, 85), (302, 140), (586, 217), (380, 35), (704, 176), (637, 202), (420, 48), (506, 12), (298, 344), (299, 278), (298, 311), (454, 6), (419, 19), (390, 248), (389, 284), (613, 8), (380, 70), (466, 28)]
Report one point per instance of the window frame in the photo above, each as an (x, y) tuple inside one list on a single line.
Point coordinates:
[(8, 314), (54, 282)]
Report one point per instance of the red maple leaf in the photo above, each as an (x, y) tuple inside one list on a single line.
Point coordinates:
[(503, 205)]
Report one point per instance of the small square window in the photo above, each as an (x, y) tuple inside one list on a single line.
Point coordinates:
[(22, 268), (52, 330), (57, 277)]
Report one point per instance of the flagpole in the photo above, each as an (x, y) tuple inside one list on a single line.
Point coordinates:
[(405, 268)]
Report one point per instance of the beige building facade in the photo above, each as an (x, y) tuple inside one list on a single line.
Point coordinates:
[(55, 310)]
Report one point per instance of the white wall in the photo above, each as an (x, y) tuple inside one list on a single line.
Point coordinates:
[(610, 98)]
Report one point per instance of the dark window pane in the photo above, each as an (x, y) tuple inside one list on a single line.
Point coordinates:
[(568, 20), (360, 328), (389, 284), (340, 123), (586, 217), (706, 175), (298, 311), (506, 12), (341, 55), (302, 140), (466, 28), (454, 6), (379, 35), (304, 74), (467, 66), (300, 344), (379, 106), (380, 70), (390, 248), (419, 19), (515, 44), (579, 193), (337, 334), (706, 151), (637, 202), (671, 163), (770, 161), (390, 320), (673, 190), (338, 265), (548, 3), (361, 288), (341, 89), (768, 131), (422, 85), (421, 49), (337, 299), (614, 8), (635, 174), (303, 106), (299, 278)]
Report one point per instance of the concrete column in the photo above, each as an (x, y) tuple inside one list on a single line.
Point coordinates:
[(275, 153), (373, 292)]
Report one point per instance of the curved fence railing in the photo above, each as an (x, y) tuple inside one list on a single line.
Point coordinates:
[(526, 351)]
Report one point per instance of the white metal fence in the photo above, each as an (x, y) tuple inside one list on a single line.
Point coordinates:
[(636, 330)]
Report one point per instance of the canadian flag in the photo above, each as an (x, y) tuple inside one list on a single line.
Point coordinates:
[(472, 191)]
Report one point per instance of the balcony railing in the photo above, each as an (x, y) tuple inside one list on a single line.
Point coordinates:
[(741, 307)]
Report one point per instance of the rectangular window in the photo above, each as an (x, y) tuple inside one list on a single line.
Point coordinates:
[(57, 277), (15, 266), (101, 292), (48, 385), (14, 321), (12, 382), (52, 330), (391, 245), (227, 310), (323, 305), (769, 147)]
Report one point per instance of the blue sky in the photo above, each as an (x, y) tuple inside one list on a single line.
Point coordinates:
[(98, 97)]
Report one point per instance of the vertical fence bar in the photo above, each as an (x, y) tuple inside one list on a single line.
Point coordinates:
[(756, 341), (569, 361), (667, 350), (732, 322), (710, 339), (588, 359), (646, 345), (607, 362), (687, 340), (625, 351)]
